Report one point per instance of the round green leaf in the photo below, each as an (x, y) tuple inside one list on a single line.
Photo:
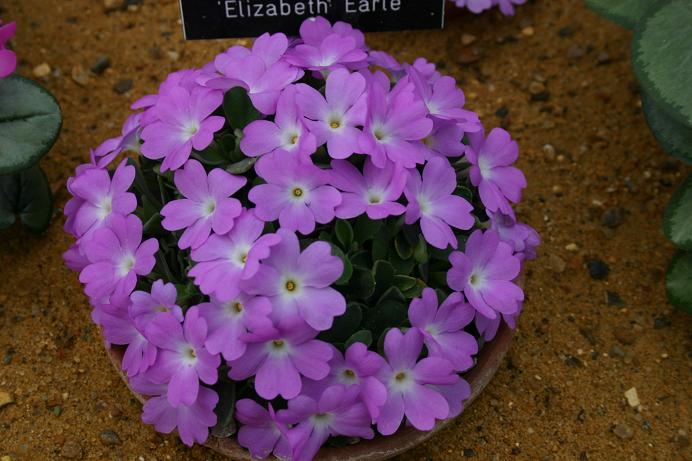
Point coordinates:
[(625, 13), (29, 123), (675, 138), (662, 57), (677, 222), (26, 194), (239, 109), (679, 281)]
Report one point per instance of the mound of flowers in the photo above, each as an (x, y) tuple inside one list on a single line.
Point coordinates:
[(309, 241), (478, 6)]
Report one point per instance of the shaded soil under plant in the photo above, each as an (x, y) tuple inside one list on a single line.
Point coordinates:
[(558, 77)]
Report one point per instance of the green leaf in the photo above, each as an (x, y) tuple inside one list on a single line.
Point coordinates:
[(662, 57), (387, 314), (348, 267), (362, 283), (30, 121), (344, 232), (214, 155), (679, 281), (625, 13), (393, 293), (403, 247), (242, 166), (239, 109), (677, 222), (420, 252), (225, 409), (675, 138), (383, 273), (28, 195), (345, 325), (404, 282), (362, 336), (366, 229)]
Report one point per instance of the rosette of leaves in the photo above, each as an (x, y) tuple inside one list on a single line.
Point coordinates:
[(30, 122), (662, 61)]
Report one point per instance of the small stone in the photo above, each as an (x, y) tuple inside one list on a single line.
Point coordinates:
[(5, 458), (598, 269), (556, 263), (469, 452), (173, 55), (623, 431), (467, 39), (614, 299), (603, 58), (467, 55), (123, 86), (625, 335), (42, 70), (681, 439), (575, 52), (617, 351), (155, 53), (612, 217), (71, 450), (80, 76), (632, 397), (113, 5), (5, 399), (527, 31), (573, 247), (542, 96), (536, 88), (110, 437), (573, 361), (100, 65), (502, 112), (566, 32), (662, 322)]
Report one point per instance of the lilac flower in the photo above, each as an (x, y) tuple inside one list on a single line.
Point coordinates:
[(314, 31), (128, 141), (445, 139), (74, 258), (118, 328), (488, 327), (442, 328), (432, 200), (454, 394), (443, 98), (99, 196), (333, 120), (521, 237), (358, 368), (8, 59), (186, 78), (485, 272), (117, 256), (287, 132), (427, 69), (387, 62), (296, 193), (230, 321), (374, 192), (507, 6), (146, 305), (498, 182), (394, 126), (185, 123), (332, 53), (335, 412), (193, 421), (298, 283), (278, 358), (261, 432), (207, 204), (407, 380), (475, 6), (224, 260), (182, 359)]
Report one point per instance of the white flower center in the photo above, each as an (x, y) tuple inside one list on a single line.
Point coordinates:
[(486, 171), (105, 207), (401, 381), (208, 207), (238, 255), (476, 279), (348, 376), (234, 308), (278, 348), (424, 204), (190, 129), (322, 420), (189, 355), (126, 264)]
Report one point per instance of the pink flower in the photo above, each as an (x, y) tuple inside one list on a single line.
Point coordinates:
[(8, 59), (185, 122), (207, 205), (261, 432)]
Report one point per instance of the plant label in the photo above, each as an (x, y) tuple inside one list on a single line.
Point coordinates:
[(209, 19)]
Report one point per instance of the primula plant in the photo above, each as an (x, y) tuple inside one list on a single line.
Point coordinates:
[(478, 6), (662, 61), (30, 121), (310, 244)]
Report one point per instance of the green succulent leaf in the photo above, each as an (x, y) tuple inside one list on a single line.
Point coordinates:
[(214, 155), (677, 222), (362, 336), (28, 195), (662, 57), (344, 233), (625, 13), (404, 282), (30, 121), (345, 325), (362, 283), (675, 138), (225, 423), (420, 251), (366, 229), (239, 109), (348, 267), (387, 314), (679, 281), (242, 166)]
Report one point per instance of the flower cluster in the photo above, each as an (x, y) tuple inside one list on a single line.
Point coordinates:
[(8, 59), (310, 226), (478, 6)]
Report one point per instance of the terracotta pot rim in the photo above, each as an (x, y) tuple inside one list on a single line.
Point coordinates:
[(380, 448)]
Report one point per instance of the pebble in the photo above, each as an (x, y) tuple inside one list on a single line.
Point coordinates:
[(100, 65), (603, 58), (71, 450), (632, 397), (623, 431), (624, 335), (536, 88), (123, 86), (614, 299), (566, 31), (598, 269), (110, 437), (575, 52), (662, 322), (469, 452), (556, 263), (113, 5), (502, 112), (573, 361), (79, 75), (42, 70), (467, 39), (527, 31), (5, 399), (612, 217), (542, 96), (573, 247), (681, 439), (5, 458)]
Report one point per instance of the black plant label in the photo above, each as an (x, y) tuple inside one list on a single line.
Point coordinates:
[(209, 19)]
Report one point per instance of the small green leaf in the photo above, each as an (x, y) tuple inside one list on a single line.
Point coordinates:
[(403, 247), (225, 409), (675, 138), (662, 57), (362, 336), (26, 194), (239, 109), (677, 222), (345, 325), (393, 293), (383, 273), (348, 267), (366, 229), (420, 251), (214, 155), (416, 290), (344, 232), (404, 282), (625, 13), (679, 281), (362, 283), (30, 121), (242, 167), (387, 314)]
